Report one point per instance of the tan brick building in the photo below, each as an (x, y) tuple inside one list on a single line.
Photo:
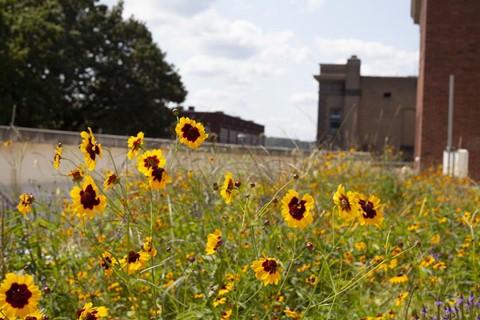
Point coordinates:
[(449, 44), (365, 112)]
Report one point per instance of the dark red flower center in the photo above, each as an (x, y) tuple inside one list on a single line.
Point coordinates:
[(92, 149), (368, 209), (133, 257), (18, 295), (88, 198), (270, 266), (136, 144), (112, 179), (190, 133), (106, 262), (151, 162), (157, 174), (229, 186), (345, 203), (296, 208), (91, 315)]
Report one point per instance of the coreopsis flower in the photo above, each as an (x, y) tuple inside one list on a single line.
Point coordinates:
[(291, 314), (226, 314), (25, 203), (370, 209), (267, 270), (360, 246), (346, 204), (400, 278), (296, 210), (134, 145), (86, 199), (89, 312), (214, 241), (148, 247), (190, 132), (76, 174), (111, 179), (37, 315), (312, 280), (159, 178), (225, 288), (90, 148), (134, 261), (219, 301), (227, 188), (400, 298), (19, 295), (152, 163), (427, 261), (107, 262), (57, 156)]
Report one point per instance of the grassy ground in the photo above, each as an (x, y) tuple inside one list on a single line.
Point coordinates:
[(425, 250)]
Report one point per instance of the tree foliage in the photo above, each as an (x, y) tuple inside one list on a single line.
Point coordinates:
[(68, 64)]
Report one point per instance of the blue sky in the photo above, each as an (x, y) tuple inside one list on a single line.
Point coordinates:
[(255, 58)]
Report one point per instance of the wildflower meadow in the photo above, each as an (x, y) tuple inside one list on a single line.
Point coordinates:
[(163, 236)]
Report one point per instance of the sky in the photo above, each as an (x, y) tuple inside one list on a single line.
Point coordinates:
[(256, 58)]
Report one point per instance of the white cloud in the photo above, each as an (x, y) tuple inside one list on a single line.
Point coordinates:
[(314, 4), (377, 58), (304, 99), (235, 72)]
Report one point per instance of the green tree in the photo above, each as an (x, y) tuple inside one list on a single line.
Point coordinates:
[(69, 64)]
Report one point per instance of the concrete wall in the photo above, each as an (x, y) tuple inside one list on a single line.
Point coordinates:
[(449, 44)]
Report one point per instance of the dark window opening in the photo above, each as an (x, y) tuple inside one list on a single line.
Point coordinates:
[(335, 119), (387, 94)]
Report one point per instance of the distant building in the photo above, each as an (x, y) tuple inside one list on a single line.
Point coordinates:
[(365, 112), (224, 128), (449, 44)]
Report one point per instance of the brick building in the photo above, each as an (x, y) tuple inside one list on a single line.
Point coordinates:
[(224, 128), (365, 112), (449, 44)]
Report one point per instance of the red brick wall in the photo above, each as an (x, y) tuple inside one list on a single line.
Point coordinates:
[(449, 44)]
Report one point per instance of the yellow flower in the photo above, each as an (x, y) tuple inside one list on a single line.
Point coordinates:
[(90, 149), (110, 179), (226, 314), (134, 145), (346, 204), (89, 312), (267, 270), (107, 262), (292, 314), (19, 296), (435, 239), (149, 160), (25, 204), (371, 211), (225, 288), (427, 261), (360, 246), (400, 298), (37, 315), (148, 247), (87, 200), (134, 261), (227, 188), (214, 241), (198, 296), (296, 210), (312, 280), (401, 278), (76, 174), (190, 132), (58, 156), (152, 164), (218, 301)]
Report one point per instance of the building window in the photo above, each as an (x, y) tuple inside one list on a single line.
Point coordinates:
[(387, 94), (335, 119)]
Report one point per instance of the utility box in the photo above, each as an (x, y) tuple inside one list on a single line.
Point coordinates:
[(455, 163)]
